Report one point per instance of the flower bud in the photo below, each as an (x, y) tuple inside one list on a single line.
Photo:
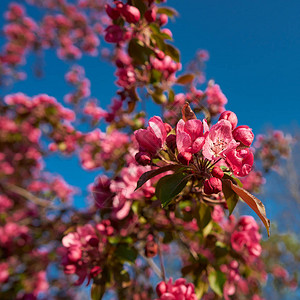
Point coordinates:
[(171, 141), (131, 13), (217, 172), (163, 19), (151, 249), (143, 158), (168, 127), (150, 15), (94, 241), (230, 116), (184, 157), (161, 288), (212, 185), (244, 135), (112, 12), (114, 34)]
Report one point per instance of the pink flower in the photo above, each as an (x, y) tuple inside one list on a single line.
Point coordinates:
[(244, 135), (189, 136), (153, 138), (179, 290), (219, 141), (240, 161), (215, 99), (217, 214), (239, 240), (4, 274)]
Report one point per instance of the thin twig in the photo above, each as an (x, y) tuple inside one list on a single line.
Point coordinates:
[(163, 271), (152, 264), (24, 193)]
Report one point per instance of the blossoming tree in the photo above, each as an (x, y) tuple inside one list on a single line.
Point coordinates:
[(166, 192)]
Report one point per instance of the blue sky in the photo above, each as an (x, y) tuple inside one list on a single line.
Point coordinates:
[(254, 51)]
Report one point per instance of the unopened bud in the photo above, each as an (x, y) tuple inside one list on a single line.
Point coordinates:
[(229, 116), (150, 15), (131, 13), (244, 135), (112, 12), (171, 142), (161, 288), (217, 172), (143, 158), (184, 157), (212, 185), (163, 19)]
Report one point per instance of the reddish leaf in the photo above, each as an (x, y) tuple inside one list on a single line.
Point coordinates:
[(254, 203), (187, 113), (185, 79)]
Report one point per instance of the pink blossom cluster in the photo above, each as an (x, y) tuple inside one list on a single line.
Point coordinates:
[(179, 290), (53, 185), (281, 274), (269, 148), (215, 99), (246, 238), (223, 143), (71, 32), (83, 251), (117, 195), (42, 109), (13, 235), (95, 112), (166, 65), (101, 148), (21, 32), (76, 77), (234, 280)]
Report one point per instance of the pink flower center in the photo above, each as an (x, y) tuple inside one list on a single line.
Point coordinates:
[(219, 145)]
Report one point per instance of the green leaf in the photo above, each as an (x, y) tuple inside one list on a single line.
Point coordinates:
[(169, 186), (216, 281), (155, 76), (150, 174), (185, 79), (233, 179), (97, 291), (159, 41), (126, 252), (173, 52), (231, 196), (204, 215), (171, 96), (171, 12), (138, 51)]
